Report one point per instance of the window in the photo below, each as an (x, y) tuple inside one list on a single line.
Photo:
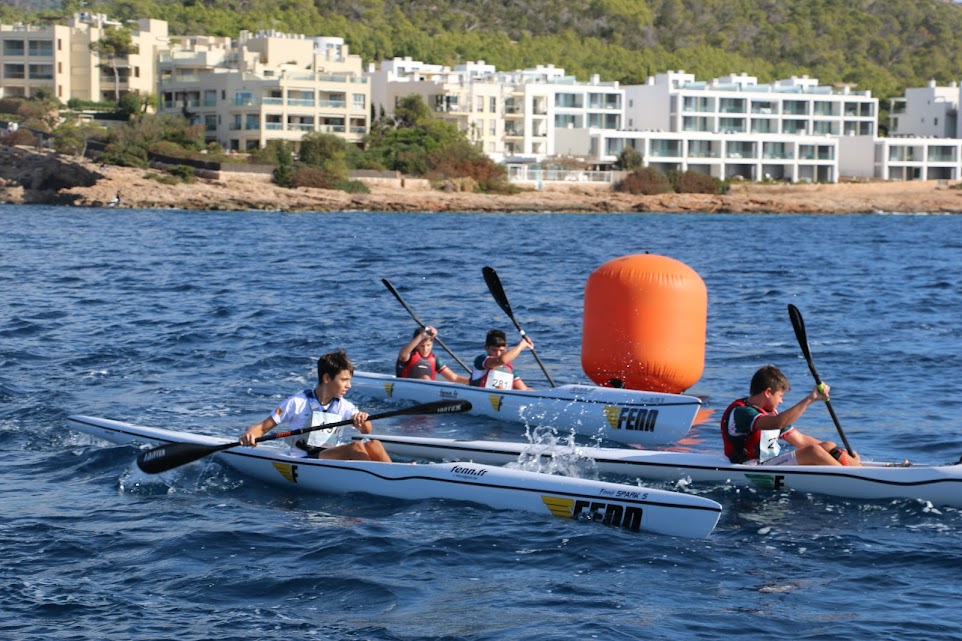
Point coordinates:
[(40, 48), (13, 48), (13, 72), (359, 100), (41, 72)]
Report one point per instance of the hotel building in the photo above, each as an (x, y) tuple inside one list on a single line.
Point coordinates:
[(59, 58), (267, 86)]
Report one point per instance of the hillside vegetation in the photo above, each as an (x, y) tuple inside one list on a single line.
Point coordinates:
[(884, 46)]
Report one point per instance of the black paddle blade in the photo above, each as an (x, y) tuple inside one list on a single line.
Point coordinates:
[(451, 406), (497, 291), (167, 457), (798, 324)]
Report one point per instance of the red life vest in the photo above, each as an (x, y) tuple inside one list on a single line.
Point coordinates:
[(414, 360), (479, 377), (740, 448)]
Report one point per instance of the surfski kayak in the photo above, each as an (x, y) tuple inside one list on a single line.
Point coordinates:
[(629, 507), (625, 416), (940, 485)]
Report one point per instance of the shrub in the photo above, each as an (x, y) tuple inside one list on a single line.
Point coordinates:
[(168, 148), (165, 179), (19, 137), (353, 187), (693, 182), (629, 159), (124, 155), (646, 181), (184, 172), (10, 105), (315, 177)]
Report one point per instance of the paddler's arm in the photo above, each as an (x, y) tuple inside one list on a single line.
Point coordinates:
[(793, 413), (453, 377), (495, 361), (404, 355), (257, 430)]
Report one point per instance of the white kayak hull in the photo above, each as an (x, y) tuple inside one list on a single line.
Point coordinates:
[(940, 485), (629, 507), (625, 416)]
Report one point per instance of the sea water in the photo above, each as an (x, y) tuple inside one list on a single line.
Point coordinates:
[(203, 321)]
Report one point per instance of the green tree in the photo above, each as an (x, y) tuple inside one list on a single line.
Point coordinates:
[(629, 158), (115, 45), (326, 155), (284, 158)]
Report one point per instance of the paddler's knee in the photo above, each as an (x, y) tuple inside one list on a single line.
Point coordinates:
[(841, 456), (375, 450)]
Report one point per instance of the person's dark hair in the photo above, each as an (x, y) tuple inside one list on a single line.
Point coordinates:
[(332, 364), (495, 338), (769, 376)]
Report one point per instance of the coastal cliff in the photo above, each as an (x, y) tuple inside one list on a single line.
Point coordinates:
[(30, 177)]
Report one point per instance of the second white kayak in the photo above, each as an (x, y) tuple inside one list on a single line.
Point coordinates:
[(625, 416)]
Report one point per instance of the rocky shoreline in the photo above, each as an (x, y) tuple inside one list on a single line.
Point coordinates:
[(28, 177)]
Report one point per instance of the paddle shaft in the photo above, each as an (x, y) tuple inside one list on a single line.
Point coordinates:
[(798, 323), (497, 291), (417, 320), (167, 457)]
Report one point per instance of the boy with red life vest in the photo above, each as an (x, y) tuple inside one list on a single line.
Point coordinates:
[(493, 369), (416, 359), (752, 426)]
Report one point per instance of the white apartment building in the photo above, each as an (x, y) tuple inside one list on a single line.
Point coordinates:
[(266, 86), (725, 156), (737, 104), (733, 127), (59, 58), (931, 111), (511, 116)]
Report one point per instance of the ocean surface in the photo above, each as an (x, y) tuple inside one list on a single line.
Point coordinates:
[(203, 321)]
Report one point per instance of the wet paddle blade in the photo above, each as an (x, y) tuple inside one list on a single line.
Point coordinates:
[(167, 457)]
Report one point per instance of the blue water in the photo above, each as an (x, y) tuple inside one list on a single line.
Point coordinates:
[(202, 321)]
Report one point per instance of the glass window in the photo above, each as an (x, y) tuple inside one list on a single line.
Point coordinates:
[(13, 48)]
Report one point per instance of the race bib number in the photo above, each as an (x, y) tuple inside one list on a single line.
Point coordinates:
[(768, 446), (499, 380)]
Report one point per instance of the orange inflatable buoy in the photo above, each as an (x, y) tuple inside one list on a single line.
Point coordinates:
[(644, 324)]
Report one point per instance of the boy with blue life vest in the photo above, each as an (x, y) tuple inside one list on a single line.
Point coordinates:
[(323, 404), (751, 427), (417, 360), (493, 369)]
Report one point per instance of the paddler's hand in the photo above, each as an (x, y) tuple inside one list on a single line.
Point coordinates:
[(526, 343), (249, 438), (820, 393), (360, 423)]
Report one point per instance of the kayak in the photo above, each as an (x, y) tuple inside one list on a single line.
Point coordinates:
[(630, 417), (937, 484), (628, 507)]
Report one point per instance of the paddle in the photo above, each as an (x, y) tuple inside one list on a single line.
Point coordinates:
[(494, 286), (417, 320), (799, 325), (167, 457)]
